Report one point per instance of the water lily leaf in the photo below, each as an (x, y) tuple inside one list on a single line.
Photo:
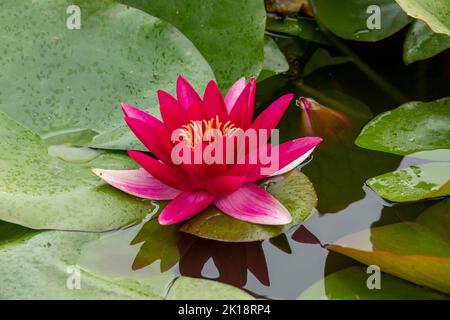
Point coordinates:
[(416, 251), (44, 266), (41, 191), (434, 12), (57, 80), (274, 60), (351, 284), (229, 33), (302, 27), (185, 288), (322, 58), (349, 19), (414, 183), (294, 191), (412, 127), (422, 43)]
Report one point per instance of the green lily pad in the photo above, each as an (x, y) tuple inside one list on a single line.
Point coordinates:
[(58, 80), (434, 12), (422, 43), (229, 33), (44, 266), (294, 191), (414, 183), (41, 191), (274, 60), (412, 127), (185, 288), (351, 284), (348, 19), (416, 251), (302, 27), (322, 58)]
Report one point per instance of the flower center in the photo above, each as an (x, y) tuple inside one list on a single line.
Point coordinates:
[(205, 131)]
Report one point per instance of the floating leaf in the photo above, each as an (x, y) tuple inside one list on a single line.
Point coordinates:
[(58, 80), (412, 127), (351, 284), (40, 191), (322, 58), (349, 19), (44, 266), (422, 43), (302, 27), (186, 288), (294, 191), (229, 33), (414, 183), (416, 251), (434, 12), (274, 60)]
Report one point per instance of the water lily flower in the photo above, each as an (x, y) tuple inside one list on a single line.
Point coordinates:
[(325, 122), (192, 187)]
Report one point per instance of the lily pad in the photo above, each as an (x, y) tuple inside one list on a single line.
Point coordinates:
[(44, 266), (414, 183), (55, 79), (434, 12), (412, 127), (422, 43), (294, 191), (351, 284), (41, 191), (416, 251), (348, 19), (274, 60), (228, 33), (185, 288), (322, 58), (302, 27)]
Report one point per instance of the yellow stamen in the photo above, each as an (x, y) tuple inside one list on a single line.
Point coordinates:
[(207, 130)]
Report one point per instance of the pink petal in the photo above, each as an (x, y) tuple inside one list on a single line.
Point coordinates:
[(239, 114), (189, 99), (234, 93), (173, 115), (290, 154), (185, 206), (213, 104), (135, 113), (138, 183), (223, 185), (164, 173), (270, 117), (253, 204), (153, 135)]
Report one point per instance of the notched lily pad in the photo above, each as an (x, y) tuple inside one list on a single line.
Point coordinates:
[(293, 190)]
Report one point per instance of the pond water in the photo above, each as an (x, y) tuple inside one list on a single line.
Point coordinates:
[(283, 267)]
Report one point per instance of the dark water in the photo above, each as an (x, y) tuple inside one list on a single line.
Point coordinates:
[(283, 267)]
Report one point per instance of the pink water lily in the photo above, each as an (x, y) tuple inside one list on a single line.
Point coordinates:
[(194, 187)]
